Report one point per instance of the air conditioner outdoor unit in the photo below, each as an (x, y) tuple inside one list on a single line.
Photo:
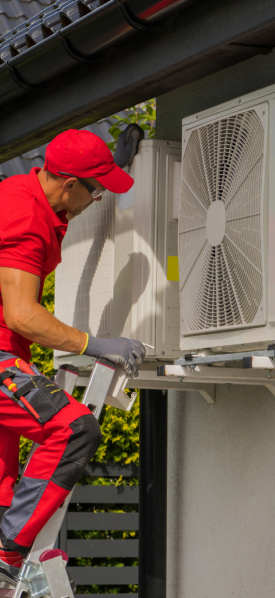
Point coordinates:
[(113, 279), (227, 225)]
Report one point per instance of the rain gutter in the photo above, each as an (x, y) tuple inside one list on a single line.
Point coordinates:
[(89, 40), (195, 43)]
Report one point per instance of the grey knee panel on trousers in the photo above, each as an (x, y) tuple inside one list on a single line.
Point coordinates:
[(82, 445), (2, 512)]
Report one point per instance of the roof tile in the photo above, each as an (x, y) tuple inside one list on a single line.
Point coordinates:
[(23, 164), (13, 16), (13, 13)]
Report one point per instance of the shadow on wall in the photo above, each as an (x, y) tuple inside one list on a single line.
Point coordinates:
[(82, 302), (137, 266)]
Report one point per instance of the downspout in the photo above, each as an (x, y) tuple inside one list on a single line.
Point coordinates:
[(152, 494)]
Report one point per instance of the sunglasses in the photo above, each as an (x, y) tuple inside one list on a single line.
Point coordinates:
[(92, 190)]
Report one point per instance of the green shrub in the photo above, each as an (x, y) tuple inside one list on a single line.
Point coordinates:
[(143, 115)]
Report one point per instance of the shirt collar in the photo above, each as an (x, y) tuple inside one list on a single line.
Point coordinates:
[(58, 220)]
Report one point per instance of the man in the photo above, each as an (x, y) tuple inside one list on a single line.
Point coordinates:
[(35, 210)]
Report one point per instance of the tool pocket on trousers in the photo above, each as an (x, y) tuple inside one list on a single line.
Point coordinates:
[(43, 395)]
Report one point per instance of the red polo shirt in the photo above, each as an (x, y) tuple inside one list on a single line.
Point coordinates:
[(31, 234)]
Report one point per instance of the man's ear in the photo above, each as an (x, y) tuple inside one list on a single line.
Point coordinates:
[(69, 184)]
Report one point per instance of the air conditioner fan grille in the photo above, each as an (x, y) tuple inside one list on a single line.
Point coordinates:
[(221, 283)]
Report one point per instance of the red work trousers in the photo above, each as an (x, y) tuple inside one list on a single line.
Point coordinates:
[(67, 443)]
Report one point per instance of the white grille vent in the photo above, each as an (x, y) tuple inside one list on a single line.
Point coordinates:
[(220, 223), (84, 279)]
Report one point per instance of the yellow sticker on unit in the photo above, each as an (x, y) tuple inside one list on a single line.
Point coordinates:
[(173, 268)]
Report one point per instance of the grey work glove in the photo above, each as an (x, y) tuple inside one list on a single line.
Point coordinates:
[(128, 353), (127, 145)]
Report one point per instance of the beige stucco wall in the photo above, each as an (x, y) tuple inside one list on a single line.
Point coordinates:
[(221, 494), (210, 91), (221, 458)]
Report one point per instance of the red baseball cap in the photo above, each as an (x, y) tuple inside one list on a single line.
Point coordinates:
[(83, 154)]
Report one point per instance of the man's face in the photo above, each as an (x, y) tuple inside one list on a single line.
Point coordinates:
[(76, 197)]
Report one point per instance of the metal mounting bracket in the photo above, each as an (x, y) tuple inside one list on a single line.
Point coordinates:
[(149, 379), (20, 81), (77, 56), (201, 375), (193, 359), (137, 23), (192, 373)]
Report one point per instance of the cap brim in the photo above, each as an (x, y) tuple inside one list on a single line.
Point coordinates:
[(116, 181)]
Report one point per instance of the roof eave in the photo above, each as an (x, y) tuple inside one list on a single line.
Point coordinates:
[(194, 44)]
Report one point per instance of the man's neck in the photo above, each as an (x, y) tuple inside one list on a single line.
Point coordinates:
[(51, 190)]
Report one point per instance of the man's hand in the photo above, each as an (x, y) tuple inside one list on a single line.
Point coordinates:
[(128, 353), (127, 145)]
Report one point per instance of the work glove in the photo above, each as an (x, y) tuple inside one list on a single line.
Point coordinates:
[(124, 351), (127, 145)]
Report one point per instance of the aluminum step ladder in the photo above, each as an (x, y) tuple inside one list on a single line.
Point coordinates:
[(43, 572)]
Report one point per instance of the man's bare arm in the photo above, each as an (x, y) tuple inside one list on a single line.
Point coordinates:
[(24, 315)]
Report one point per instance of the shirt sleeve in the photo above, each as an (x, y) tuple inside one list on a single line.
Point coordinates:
[(22, 243)]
